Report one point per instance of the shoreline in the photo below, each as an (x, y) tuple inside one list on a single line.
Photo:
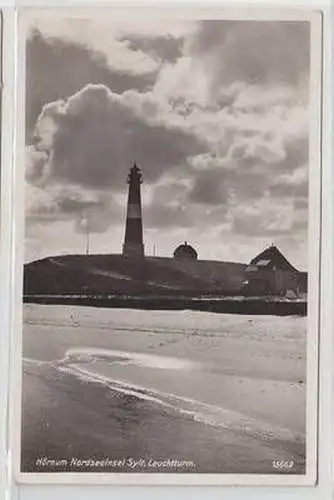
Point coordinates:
[(226, 392), (125, 433), (222, 305)]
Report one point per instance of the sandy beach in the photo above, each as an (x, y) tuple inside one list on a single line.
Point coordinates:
[(162, 391)]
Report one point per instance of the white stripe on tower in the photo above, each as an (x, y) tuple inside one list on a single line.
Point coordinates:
[(133, 212)]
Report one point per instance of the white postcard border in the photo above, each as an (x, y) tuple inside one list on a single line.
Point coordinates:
[(314, 272)]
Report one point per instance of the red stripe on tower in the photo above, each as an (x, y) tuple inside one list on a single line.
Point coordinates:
[(133, 242)]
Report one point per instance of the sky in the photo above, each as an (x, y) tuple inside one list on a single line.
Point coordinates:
[(215, 113)]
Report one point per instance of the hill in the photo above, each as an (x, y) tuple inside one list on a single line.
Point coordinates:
[(112, 274)]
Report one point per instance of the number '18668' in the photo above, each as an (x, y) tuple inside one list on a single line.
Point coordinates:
[(283, 465)]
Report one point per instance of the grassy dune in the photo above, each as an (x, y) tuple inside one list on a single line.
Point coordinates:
[(76, 274)]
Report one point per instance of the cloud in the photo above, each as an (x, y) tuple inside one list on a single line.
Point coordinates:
[(301, 203), (92, 139), (186, 204), (221, 56), (57, 69), (265, 218), (210, 188), (108, 130), (296, 154), (253, 166), (253, 52), (167, 206), (161, 48), (100, 28), (291, 184), (87, 210), (161, 217), (115, 52)]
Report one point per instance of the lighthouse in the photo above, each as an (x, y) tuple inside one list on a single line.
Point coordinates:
[(133, 242)]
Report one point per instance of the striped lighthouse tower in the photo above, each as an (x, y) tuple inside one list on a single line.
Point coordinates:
[(133, 242)]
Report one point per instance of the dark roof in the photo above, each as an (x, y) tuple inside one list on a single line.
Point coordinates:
[(270, 258), (185, 250)]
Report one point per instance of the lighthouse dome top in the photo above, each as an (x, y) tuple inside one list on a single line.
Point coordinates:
[(185, 251)]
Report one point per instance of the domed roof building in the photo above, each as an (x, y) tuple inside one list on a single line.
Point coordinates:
[(185, 251)]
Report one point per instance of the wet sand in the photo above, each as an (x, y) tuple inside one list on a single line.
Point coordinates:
[(202, 403), (64, 419)]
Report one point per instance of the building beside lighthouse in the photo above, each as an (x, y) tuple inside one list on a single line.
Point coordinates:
[(185, 251), (270, 273), (133, 246)]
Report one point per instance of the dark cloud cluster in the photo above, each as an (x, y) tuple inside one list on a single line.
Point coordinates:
[(262, 52), (57, 69), (163, 48), (179, 206), (97, 138), (252, 169)]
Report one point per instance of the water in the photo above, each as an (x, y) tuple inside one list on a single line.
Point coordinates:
[(222, 385)]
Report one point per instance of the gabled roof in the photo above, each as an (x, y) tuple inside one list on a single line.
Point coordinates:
[(272, 257)]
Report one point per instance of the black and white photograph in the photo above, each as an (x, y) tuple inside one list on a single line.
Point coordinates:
[(169, 283)]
